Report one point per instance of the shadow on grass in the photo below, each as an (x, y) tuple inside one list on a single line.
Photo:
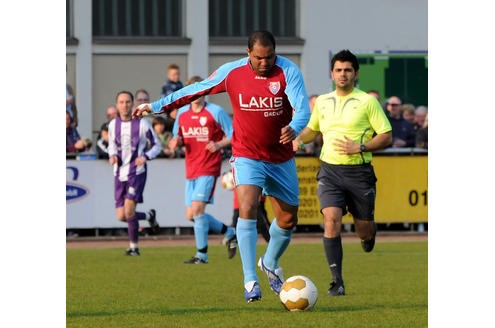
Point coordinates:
[(247, 309), (167, 311), (351, 308)]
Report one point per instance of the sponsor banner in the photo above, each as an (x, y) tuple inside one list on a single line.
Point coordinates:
[(309, 205), (402, 190), (90, 195), (402, 193)]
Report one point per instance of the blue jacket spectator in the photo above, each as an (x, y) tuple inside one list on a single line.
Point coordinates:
[(403, 134), (173, 82)]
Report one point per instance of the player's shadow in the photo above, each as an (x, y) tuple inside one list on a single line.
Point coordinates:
[(257, 307), (352, 308), (254, 307)]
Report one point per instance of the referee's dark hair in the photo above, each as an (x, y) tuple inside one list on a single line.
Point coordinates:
[(343, 56), (265, 38)]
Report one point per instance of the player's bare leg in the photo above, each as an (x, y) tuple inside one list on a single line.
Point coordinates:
[(248, 198), (332, 244), (332, 221), (120, 214)]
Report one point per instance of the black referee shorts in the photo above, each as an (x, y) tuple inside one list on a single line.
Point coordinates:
[(350, 187)]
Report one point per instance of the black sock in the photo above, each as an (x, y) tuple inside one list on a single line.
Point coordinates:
[(235, 216), (224, 228), (334, 254)]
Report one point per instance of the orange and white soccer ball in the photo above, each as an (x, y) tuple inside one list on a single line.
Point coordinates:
[(227, 180), (298, 293)]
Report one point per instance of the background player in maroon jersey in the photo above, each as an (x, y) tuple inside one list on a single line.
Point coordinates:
[(204, 129)]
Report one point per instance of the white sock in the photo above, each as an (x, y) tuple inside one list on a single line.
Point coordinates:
[(133, 245), (249, 285)]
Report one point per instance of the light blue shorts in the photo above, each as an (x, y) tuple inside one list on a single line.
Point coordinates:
[(277, 180), (200, 189)]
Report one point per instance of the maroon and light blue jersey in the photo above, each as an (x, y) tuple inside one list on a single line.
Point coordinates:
[(196, 130), (262, 106), (129, 140)]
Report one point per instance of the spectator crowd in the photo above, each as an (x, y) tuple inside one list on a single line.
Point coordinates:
[(409, 123)]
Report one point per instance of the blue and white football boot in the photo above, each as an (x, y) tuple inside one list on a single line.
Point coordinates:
[(252, 291), (275, 277)]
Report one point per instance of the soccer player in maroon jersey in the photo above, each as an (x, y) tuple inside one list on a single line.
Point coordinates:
[(204, 129), (270, 107)]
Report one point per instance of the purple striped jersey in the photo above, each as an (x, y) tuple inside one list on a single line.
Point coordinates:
[(129, 140)]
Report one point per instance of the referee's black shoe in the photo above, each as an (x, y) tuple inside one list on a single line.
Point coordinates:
[(336, 288), (368, 245)]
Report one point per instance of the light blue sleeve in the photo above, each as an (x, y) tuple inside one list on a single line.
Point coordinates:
[(211, 85), (175, 130), (222, 118), (296, 92)]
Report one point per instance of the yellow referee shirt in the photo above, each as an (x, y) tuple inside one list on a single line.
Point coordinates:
[(357, 116)]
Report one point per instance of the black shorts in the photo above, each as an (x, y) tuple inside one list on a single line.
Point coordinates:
[(350, 187)]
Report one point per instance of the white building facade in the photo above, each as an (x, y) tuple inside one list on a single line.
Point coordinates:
[(132, 50)]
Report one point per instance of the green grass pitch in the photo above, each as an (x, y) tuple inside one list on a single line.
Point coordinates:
[(104, 288)]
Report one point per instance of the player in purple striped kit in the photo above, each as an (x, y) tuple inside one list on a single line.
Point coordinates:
[(131, 143)]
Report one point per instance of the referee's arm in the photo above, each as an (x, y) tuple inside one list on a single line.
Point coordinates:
[(306, 136), (379, 141)]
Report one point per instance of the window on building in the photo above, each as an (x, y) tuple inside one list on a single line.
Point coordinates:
[(238, 18), (69, 33), (137, 18)]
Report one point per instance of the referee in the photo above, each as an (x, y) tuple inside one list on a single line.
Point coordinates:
[(353, 124)]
